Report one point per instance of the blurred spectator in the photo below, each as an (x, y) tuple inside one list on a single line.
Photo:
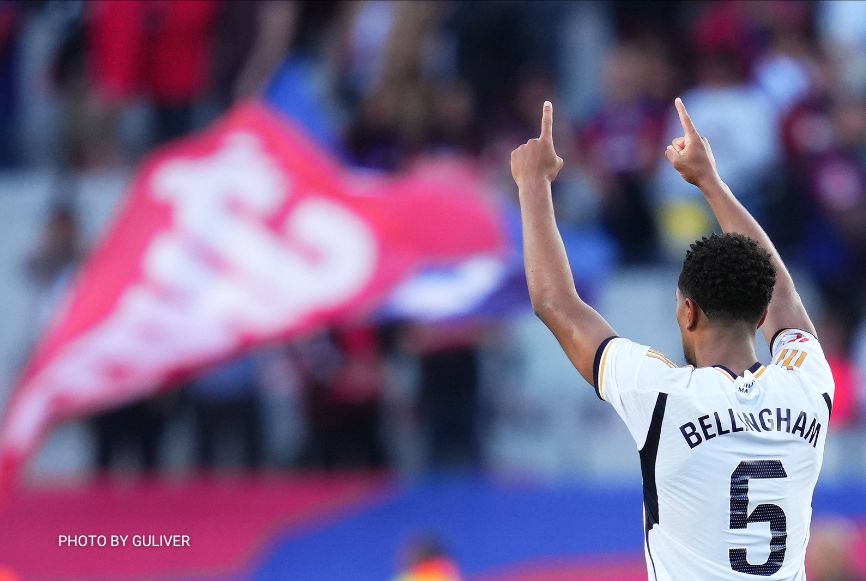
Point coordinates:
[(9, 23), (842, 29), (373, 141), (825, 141), (158, 50), (621, 144), (131, 434), (256, 37), (836, 335), (727, 29), (394, 91), (227, 410), (363, 36), (453, 128), (737, 116), (342, 372), (427, 560), (806, 133), (496, 44), (740, 122), (786, 68), (51, 266), (449, 398)]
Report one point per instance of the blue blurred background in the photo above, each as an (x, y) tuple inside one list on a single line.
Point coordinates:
[(468, 440)]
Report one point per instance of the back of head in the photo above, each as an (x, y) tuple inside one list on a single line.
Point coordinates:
[(729, 277)]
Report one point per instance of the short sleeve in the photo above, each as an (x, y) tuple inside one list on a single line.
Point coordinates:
[(630, 377), (800, 352)]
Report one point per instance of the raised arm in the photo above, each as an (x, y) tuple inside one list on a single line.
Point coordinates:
[(576, 325), (692, 156)]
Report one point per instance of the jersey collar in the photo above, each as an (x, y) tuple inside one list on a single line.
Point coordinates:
[(756, 369)]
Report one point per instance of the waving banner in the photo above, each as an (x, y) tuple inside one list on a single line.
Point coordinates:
[(241, 235)]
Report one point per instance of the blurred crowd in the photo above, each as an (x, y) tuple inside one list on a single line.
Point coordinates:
[(779, 88)]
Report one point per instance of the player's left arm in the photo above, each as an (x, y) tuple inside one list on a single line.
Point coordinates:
[(692, 156), (577, 326)]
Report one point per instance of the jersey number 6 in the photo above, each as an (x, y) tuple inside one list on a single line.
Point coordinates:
[(770, 513)]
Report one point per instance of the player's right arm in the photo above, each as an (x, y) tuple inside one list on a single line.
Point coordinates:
[(692, 157), (576, 325), (625, 374)]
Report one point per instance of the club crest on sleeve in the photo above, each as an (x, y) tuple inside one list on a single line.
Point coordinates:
[(793, 337)]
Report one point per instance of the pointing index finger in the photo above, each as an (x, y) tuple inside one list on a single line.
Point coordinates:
[(685, 120), (547, 122)]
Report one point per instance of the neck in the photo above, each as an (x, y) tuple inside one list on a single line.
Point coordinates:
[(732, 347)]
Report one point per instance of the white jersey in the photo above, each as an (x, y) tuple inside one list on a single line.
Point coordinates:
[(729, 463)]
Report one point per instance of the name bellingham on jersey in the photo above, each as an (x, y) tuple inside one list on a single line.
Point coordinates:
[(709, 426), (729, 460)]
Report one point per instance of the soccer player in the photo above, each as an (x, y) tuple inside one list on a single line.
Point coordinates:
[(730, 449)]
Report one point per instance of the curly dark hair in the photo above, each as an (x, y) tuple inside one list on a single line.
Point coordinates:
[(729, 276)]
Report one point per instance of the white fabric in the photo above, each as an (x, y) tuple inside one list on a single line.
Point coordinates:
[(724, 439)]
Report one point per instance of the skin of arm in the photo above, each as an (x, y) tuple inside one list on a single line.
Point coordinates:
[(692, 157), (577, 326)]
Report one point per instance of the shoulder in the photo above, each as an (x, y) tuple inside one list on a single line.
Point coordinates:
[(800, 353), (626, 365), (794, 349)]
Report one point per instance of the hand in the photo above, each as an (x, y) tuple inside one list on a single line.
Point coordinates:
[(536, 160), (691, 154)]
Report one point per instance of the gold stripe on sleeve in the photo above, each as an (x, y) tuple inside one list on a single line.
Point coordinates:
[(787, 362), (800, 359), (601, 370), (662, 358)]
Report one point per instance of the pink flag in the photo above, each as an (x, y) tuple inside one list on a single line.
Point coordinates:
[(241, 235)]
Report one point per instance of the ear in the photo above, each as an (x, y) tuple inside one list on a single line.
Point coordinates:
[(763, 318), (693, 314)]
